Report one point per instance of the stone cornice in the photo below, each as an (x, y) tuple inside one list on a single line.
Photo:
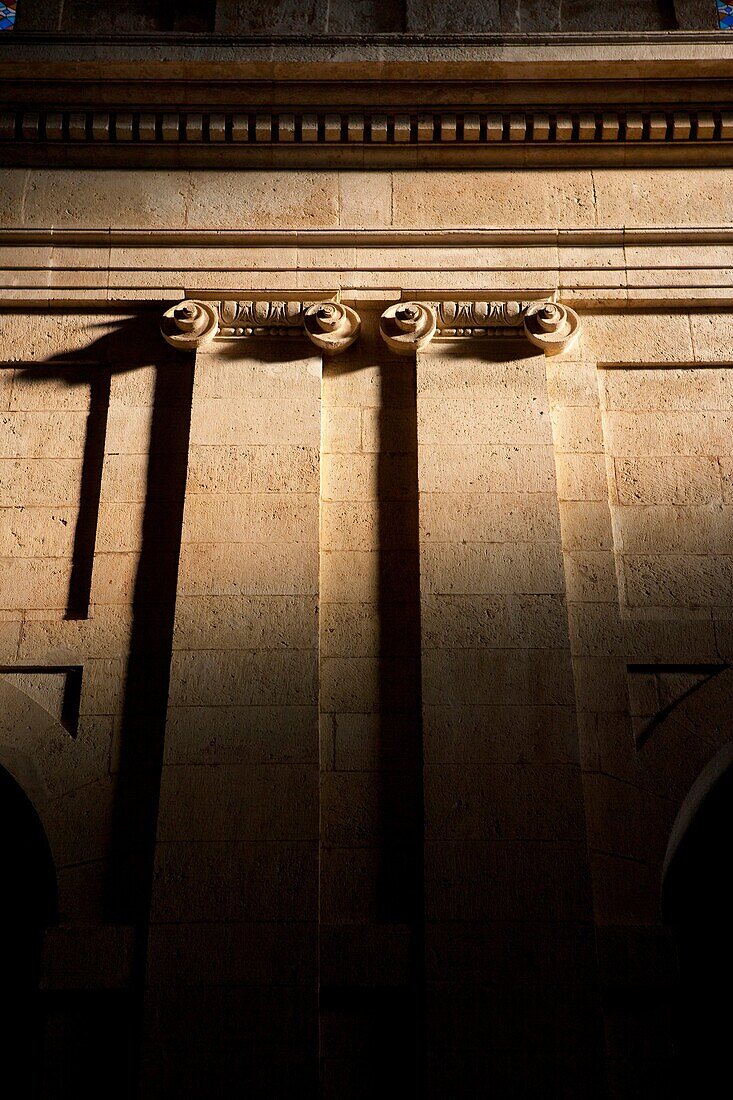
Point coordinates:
[(411, 101), (629, 54)]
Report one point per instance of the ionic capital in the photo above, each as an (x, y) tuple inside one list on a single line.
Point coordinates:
[(408, 327), (329, 325)]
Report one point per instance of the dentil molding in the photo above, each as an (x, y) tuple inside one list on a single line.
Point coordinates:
[(409, 100), (415, 126), (50, 134)]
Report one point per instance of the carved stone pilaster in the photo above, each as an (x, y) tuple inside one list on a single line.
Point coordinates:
[(407, 327), (330, 325)]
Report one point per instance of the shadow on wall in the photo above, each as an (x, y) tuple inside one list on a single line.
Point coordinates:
[(401, 744), (372, 1013), (29, 904), (135, 805), (664, 971), (698, 905)]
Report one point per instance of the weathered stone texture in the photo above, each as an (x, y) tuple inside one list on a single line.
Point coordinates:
[(572, 198), (672, 533), (645, 541), (244, 17)]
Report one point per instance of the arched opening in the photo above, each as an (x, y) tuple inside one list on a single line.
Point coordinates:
[(27, 905), (698, 906)]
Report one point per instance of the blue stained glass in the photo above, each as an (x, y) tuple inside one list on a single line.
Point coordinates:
[(725, 16), (7, 15)]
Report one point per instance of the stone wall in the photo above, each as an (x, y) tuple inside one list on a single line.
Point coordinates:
[(358, 696), (371, 752), (438, 200), (367, 17)]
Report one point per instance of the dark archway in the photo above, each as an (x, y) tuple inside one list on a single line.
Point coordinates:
[(698, 906), (27, 906)]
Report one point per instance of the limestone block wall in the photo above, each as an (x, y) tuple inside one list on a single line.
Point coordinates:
[(505, 841), (628, 455), (89, 417), (358, 697), (371, 946), (233, 951)]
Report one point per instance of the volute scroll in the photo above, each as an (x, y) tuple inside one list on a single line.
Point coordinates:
[(552, 327), (331, 326), (407, 327), (190, 324)]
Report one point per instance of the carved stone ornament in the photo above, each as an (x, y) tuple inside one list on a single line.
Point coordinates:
[(331, 326), (481, 318), (407, 327), (260, 318), (190, 325), (410, 326), (128, 126), (552, 327)]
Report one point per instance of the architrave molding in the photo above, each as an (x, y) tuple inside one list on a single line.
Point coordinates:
[(655, 267), (590, 237), (673, 267)]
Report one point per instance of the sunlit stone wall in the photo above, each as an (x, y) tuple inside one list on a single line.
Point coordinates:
[(366, 649)]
